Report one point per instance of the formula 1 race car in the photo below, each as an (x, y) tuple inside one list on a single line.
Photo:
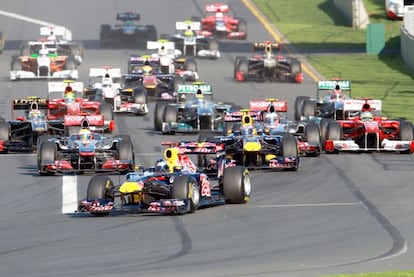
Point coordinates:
[(22, 132), (194, 113), (171, 61), (274, 120), (85, 151), (368, 132), (173, 186), (267, 66), (105, 87), (221, 25), (126, 33), (395, 8), (43, 59), (247, 146), (329, 101), (190, 42)]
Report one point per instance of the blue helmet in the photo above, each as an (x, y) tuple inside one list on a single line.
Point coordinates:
[(161, 166)]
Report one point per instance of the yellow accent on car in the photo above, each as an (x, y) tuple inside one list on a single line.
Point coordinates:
[(171, 156), (252, 146), (129, 187), (269, 157)]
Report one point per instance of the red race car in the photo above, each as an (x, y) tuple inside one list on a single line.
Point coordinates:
[(367, 132), (221, 25), (70, 102)]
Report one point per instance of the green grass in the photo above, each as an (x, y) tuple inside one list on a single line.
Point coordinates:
[(315, 26)]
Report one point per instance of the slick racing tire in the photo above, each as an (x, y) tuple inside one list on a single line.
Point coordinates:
[(4, 131), (406, 132), (47, 153), (334, 132), (236, 185), (158, 114), (16, 64), (140, 95), (100, 187), (313, 136), (324, 128), (190, 65), (243, 67), (242, 27), (236, 65), (290, 148), (298, 106), (169, 114), (309, 108), (185, 188), (295, 68), (126, 152)]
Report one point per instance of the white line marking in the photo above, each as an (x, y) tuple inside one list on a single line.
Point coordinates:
[(69, 194), (309, 205)]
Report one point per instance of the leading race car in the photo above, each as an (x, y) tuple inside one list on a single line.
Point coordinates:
[(220, 24), (267, 66), (85, 151), (368, 132), (174, 186), (127, 32), (43, 60), (194, 113)]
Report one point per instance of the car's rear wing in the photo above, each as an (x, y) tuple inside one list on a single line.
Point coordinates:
[(266, 45), (331, 84), (217, 8), (128, 16), (103, 71), (195, 88), (56, 33), (27, 104), (161, 44), (77, 120), (237, 116), (265, 105), (188, 25), (363, 105)]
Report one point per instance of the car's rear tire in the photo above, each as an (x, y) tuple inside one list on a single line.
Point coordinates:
[(243, 67), (406, 132), (236, 185), (290, 149), (16, 64), (169, 114), (309, 108), (295, 68), (190, 64), (313, 136), (236, 65), (158, 114), (126, 152), (242, 27), (324, 128), (334, 132), (185, 188), (299, 106)]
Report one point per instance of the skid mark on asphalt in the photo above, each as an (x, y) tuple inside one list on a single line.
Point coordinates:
[(69, 194), (395, 162)]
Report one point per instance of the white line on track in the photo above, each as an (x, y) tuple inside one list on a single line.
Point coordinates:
[(309, 205), (69, 194), (25, 18)]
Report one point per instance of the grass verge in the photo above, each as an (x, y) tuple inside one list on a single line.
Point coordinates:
[(317, 29)]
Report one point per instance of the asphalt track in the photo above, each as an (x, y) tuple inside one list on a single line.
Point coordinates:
[(337, 214)]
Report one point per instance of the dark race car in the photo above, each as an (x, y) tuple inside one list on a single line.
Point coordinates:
[(174, 186), (23, 131), (127, 32), (267, 66), (220, 24)]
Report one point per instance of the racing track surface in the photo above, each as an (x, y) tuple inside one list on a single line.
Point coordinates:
[(340, 213)]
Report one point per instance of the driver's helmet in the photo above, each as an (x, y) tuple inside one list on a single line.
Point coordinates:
[(246, 130), (367, 116), (219, 15), (35, 114), (107, 82), (85, 134), (69, 95), (188, 33), (147, 70), (271, 119), (161, 166)]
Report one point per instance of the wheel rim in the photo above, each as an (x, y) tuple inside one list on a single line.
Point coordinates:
[(195, 194), (247, 185)]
